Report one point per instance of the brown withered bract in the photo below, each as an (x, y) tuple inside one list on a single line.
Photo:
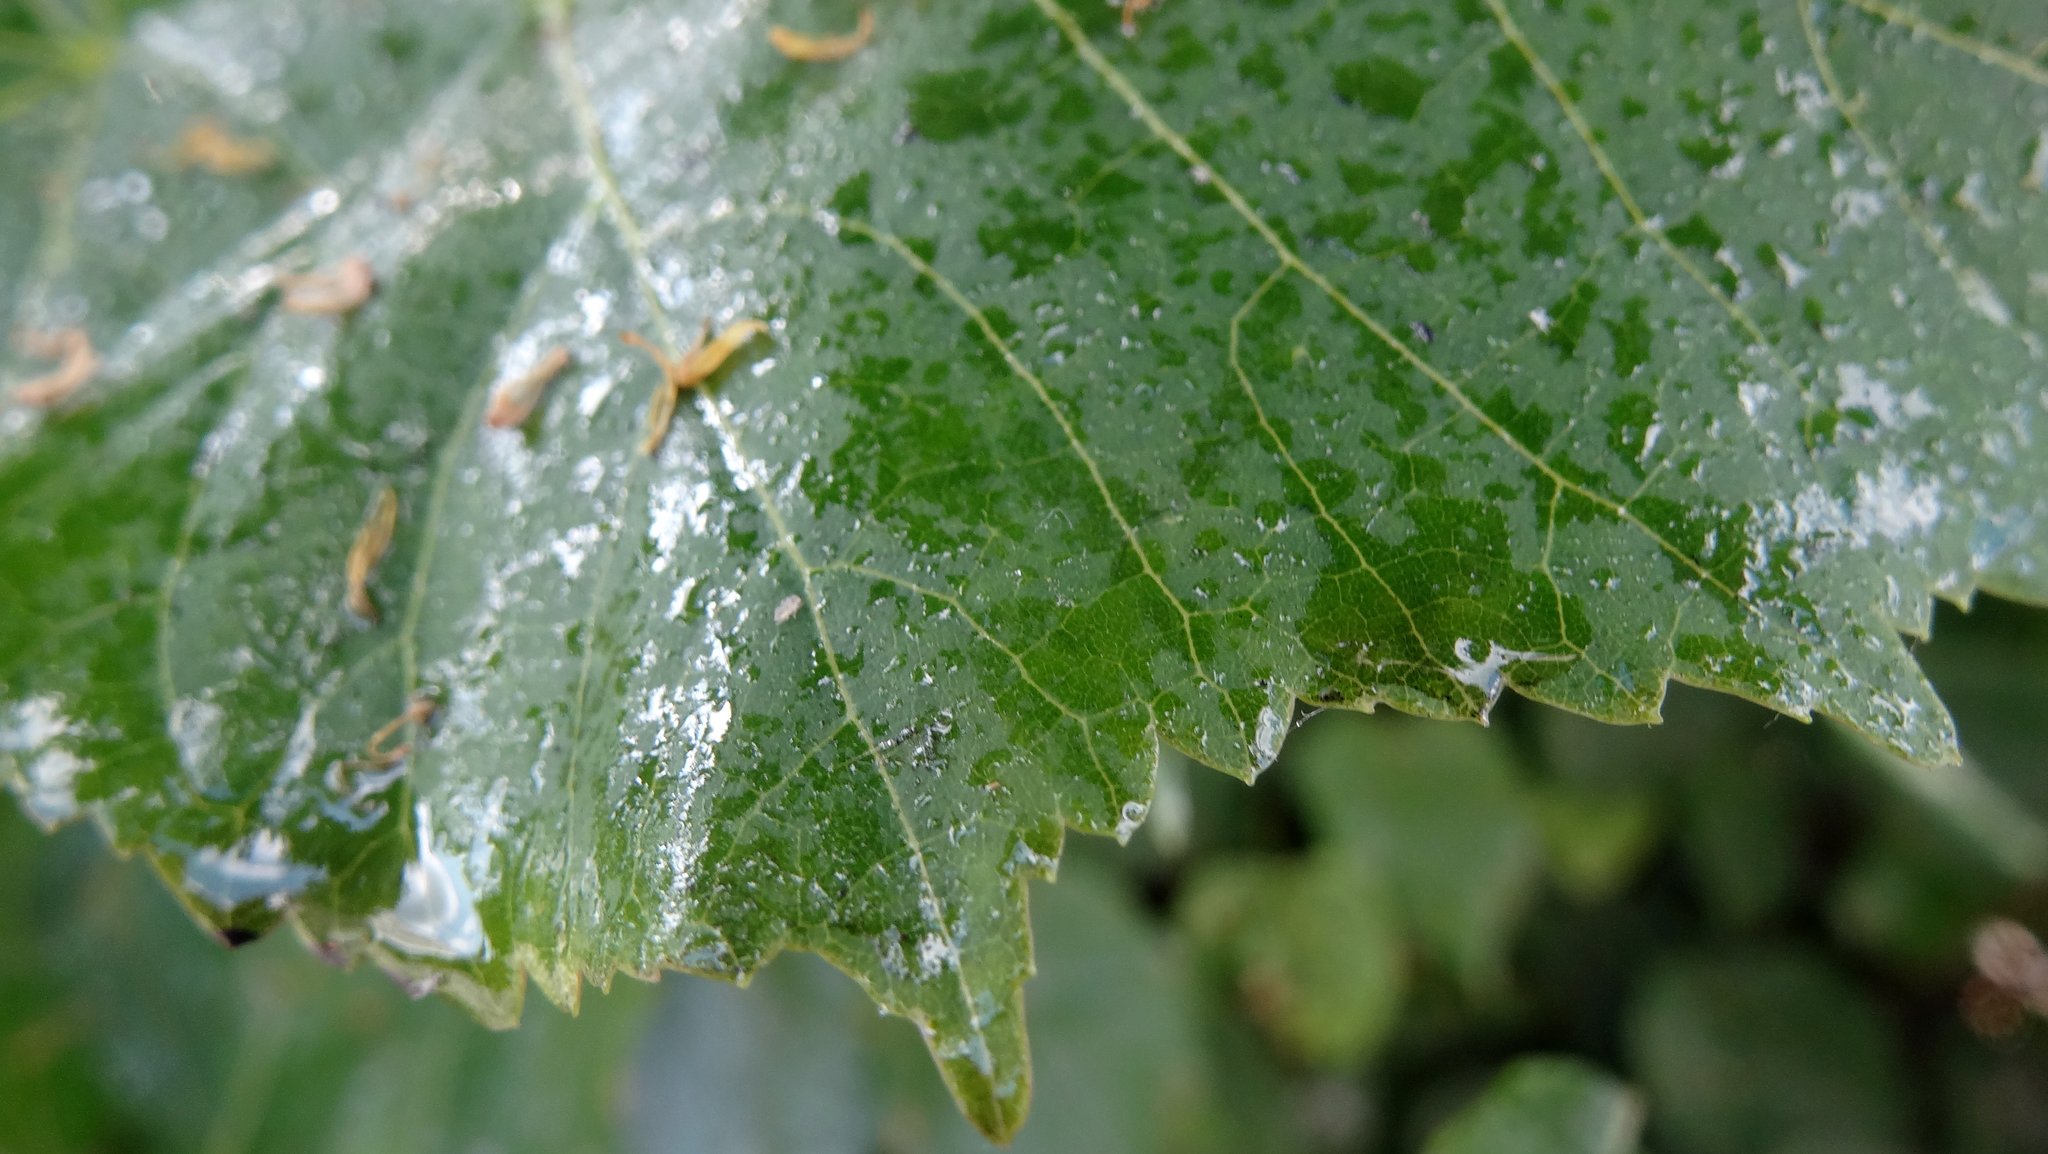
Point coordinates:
[(688, 371), (372, 541), (207, 144), (514, 400), (809, 49), (340, 288), (77, 363)]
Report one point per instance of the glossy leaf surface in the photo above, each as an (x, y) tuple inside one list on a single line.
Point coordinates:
[(1117, 391)]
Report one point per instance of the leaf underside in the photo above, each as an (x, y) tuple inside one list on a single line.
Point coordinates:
[(1118, 391)]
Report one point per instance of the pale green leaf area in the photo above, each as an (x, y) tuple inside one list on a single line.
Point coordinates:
[(1442, 814), (1756, 1051), (1313, 947), (1118, 392), (1546, 1106)]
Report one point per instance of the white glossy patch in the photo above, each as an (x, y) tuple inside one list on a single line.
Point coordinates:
[(1130, 819), (49, 773), (436, 912), (1484, 673), (258, 866)]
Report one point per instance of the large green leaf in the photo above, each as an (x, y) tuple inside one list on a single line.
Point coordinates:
[(1120, 390)]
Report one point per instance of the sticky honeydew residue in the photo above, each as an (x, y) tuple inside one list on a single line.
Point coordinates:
[(259, 866), (1863, 390), (44, 774), (436, 914), (1486, 673)]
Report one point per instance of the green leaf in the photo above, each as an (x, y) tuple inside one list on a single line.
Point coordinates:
[(1313, 947), (1545, 1106), (1757, 1051), (1119, 391), (1439, 811), (1595, 840), (1739, 830)]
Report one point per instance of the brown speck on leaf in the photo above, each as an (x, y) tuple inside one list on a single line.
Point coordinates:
[(514, 400), (207, 144), (809, 49), (372, 541), (76, 364), (788, 608), (1132, 10), (688, 371), (335, 290)]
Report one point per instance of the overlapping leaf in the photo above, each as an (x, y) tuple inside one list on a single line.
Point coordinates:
[(1118, 391)]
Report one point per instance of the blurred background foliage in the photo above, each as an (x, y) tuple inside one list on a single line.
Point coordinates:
[(1732, 934)]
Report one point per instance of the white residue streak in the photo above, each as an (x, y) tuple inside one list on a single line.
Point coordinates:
[(1809, 96), (1981, 297), (675, 505), (436, 912), (1754, 395), (1795, 274), (258, 866), (1130, 819), (573, 547), (1541, 319), (1484, 674), (195, 729), (1894, 504), (934, 955), (1266, 739), (1862, 390), (49, 775), (1858, 207), (1972, 198)]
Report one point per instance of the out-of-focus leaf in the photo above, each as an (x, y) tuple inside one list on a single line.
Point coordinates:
[(1995, 1100), (1739, 831), (1763, 1051), (1971, 803), (1911, 895), (1595, 839), (1545, 1105), (1314, 945), (1439, 811), (800, 1064), (121, 1029), (1990, 665)]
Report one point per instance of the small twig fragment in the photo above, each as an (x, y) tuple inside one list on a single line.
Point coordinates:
[(372, 541), (419, 711), (1132, 10), (207, 144), (514, 400), (338, 289), (688, 371), (807, 49), (76, 364)]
